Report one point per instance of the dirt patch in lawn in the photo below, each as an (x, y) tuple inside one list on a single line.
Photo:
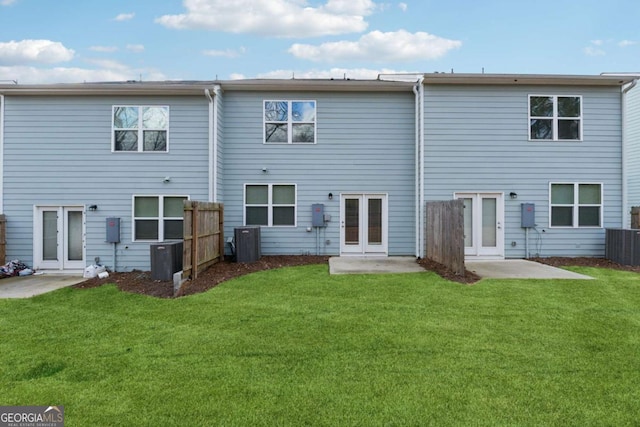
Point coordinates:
[(140, 282)]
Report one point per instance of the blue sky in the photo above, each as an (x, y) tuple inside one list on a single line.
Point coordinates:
[(50, 41)]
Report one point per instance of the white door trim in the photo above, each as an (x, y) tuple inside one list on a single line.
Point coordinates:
[(478, 249), (62, 261), (364, 246)]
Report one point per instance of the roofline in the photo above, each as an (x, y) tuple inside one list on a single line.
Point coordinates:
[(527, 79), (344, 85), (115, 88), (198, 87)]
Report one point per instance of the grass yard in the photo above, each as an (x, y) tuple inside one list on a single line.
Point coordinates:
[(296, 346)]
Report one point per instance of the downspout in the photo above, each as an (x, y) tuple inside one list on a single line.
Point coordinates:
[(1, 154), (217, 90), (417, 168), (418, 90), (211, 145), (422, 160), (625, 198)]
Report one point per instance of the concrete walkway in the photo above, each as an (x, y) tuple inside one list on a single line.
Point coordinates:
[(519, 269), (487, 269), (28, 286), (373, 265)]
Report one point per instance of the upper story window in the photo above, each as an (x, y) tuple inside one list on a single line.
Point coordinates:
[(290, 122), (158, 218), (140, 128), (555, 118), (576, 204)]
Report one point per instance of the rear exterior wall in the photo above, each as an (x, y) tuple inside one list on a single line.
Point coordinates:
[(477, 140)]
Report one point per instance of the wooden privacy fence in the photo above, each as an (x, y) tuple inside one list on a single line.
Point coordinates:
[(622, 246), (445, 234), (203, 236)]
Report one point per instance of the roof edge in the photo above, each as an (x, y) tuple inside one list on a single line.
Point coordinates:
[(527, 79), (198, 87)]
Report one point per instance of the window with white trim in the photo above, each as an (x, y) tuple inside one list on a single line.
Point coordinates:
[(140, 128), (555, 117), (158, 218), (270, 205), (575, 204), (289, 122)]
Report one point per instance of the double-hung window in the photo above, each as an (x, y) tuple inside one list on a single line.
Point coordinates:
[(158, 218), (555, 118), (140, 128), (289, 122), (270, 204), (576, 204)]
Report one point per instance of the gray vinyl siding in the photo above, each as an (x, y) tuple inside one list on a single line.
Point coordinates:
[(57, 151), (633, 146), (365, 143), (476, 140)]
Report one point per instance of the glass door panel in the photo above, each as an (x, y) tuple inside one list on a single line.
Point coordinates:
[(352, 222), (74, 236), (49, 235), (489, 222), (374, 235)]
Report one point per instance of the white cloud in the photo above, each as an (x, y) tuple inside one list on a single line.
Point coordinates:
[(124, 17), (597, 42), (30, 51), (625, 43), (237, 76), (593, 51), (227, 53), (137, 48), (103, 48), (333, 73), (104, 70), (6, 2), (403, 6), (379, 47), (277, 18)]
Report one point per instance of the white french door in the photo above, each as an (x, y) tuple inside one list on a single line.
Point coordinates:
[(483, 224), (363, 224), (59, 238)]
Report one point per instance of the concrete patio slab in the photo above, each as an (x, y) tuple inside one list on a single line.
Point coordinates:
[(519, 269), (28, 286), (373, 265)]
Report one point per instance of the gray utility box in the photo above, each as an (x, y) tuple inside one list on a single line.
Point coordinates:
[(247, 240), (166, 259)]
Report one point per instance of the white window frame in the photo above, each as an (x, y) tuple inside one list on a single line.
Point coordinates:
[(270, 205), (139, 129), (576, 204), (289, 122), (554, 118), (160, 218)]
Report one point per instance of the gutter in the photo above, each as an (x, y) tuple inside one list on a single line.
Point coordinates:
[(625, 143)]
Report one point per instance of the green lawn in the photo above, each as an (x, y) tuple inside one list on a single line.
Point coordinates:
[(299, 347)]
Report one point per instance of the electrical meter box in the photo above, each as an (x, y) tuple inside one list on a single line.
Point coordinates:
[(113, 230), (317, 215), (528, 215)]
